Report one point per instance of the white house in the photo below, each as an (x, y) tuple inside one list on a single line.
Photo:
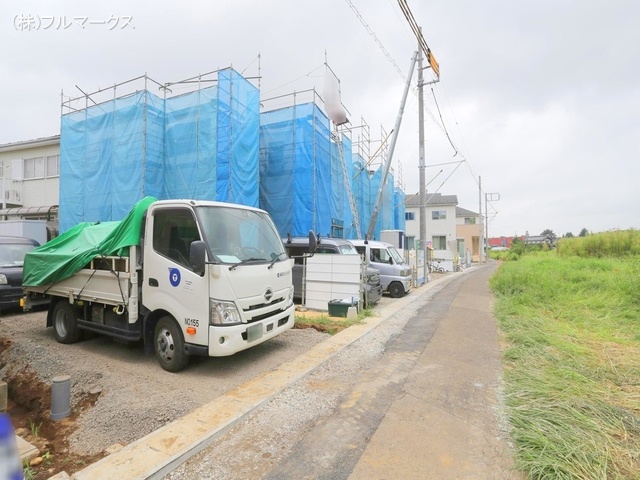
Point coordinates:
[(440, 223), (30, 180)]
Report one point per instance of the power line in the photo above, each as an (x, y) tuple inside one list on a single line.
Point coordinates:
[(418, 33), (375, 38)]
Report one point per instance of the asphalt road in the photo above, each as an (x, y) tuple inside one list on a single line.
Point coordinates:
[(418, 397)]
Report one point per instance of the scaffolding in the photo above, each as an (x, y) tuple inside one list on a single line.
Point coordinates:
[(195, 138)]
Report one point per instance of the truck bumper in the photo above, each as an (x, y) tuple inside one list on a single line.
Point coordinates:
[(224, 341)]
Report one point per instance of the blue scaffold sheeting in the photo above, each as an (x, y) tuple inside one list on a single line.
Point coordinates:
[(295, 169), (110, 157), (201, 145)]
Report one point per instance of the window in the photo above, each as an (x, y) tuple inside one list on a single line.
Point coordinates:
[(41, 167), (173, 232), (439, 243), (326, 249), (411, 242), (409, 215), (439, 215), (380, 255), (297, 253), (34, 167), (470, 220), (53, 165)]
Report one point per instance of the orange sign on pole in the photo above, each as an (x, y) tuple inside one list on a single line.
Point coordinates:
[(433, 63)]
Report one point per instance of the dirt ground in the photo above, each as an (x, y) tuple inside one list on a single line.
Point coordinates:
[(29, 408)]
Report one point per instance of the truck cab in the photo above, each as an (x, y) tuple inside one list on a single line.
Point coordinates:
[(238, 293)]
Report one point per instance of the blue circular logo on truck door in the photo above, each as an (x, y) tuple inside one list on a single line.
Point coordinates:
[(174, 276)]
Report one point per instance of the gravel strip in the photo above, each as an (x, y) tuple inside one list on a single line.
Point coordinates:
[(137, 396)]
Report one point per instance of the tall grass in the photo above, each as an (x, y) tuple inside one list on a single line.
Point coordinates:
[(621, 243), (571, 333)]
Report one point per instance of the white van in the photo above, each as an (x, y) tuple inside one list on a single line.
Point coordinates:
[(395, 275)]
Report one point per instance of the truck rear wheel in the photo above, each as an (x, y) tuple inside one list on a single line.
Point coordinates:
[(396, 290), (65, 322), (169, 345)]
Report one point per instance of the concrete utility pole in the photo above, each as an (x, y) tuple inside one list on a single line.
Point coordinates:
[(481, 240), (392, 146), (489, 197), (421, 168)]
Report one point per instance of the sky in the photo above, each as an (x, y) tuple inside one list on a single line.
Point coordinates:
[(538, 102)]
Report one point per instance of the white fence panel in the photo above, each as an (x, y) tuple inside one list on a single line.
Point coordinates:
[(331, 277)]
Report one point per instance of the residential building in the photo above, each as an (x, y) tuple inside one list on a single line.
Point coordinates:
[(30, 179), (468, 225), (440, 223), (502, 241)]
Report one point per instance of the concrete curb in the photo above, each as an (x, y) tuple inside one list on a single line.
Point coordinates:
[(160, 452)]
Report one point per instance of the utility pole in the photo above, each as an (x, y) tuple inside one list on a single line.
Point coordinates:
[(435, 67), (481, 239), (392, 146), (421, 168), (489, 197)]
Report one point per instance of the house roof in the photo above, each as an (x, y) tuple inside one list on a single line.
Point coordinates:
[(432, 199), (463, 212), (37, 142)]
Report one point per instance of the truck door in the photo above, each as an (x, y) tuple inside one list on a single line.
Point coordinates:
[(169, 280)]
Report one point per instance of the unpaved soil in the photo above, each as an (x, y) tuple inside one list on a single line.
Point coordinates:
[(115, 388)]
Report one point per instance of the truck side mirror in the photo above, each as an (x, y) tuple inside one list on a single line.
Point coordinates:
[(313, 242), (197, 254)]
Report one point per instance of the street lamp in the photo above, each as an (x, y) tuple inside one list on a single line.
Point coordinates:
[(489, 197)]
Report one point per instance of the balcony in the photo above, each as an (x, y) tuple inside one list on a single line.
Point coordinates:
[(11, 192)]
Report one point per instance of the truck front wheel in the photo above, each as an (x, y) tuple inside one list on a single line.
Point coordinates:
[(169, 345), (65, 322)]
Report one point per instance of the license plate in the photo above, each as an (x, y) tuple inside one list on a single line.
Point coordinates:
[(254, 332)]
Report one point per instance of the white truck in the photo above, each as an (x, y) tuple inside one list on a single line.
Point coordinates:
[(204, 278)]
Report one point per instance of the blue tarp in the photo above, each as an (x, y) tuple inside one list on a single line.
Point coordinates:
[(295, 169), (201, 145), (399, 210), (213, 144), (110, 157)]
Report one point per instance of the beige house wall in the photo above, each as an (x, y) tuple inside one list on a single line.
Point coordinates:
[(470, 234)]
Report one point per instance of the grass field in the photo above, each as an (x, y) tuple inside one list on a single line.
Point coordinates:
[(570, 328)]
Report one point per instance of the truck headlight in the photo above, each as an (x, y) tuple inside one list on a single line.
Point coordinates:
[(223, 313), (3, 279), (405, 273), (290, 298)]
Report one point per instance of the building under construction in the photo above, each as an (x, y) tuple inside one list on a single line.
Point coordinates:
[(211, 137)]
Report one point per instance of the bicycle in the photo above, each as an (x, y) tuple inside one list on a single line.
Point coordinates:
[(436, 267)]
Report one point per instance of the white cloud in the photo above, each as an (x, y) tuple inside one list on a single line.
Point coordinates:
[(541, 98)]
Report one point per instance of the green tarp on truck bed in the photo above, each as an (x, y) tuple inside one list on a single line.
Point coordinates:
[(72, 251)]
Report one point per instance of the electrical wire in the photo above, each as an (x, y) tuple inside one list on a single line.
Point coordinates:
[(425, 47), (295, 80)]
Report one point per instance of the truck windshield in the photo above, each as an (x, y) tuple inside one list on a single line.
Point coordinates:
[(396, 255), (237, 235)]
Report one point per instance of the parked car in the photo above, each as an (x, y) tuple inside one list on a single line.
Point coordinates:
[(395, 275), (298, 246), (12, 252)]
